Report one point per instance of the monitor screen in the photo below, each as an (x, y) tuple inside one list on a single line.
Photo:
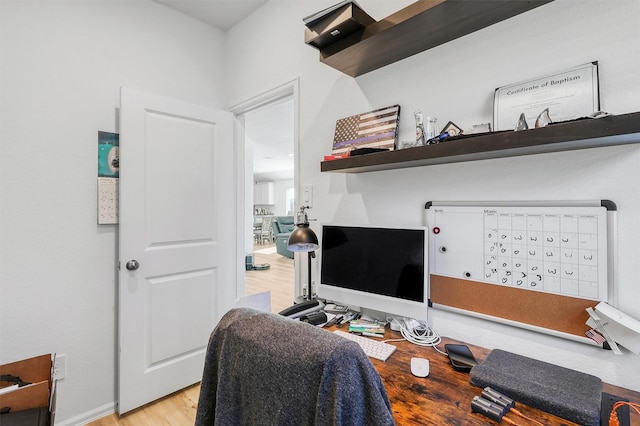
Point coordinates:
[(379, 268)]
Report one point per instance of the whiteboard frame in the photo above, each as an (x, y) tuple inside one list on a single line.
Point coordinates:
[(611, 224)]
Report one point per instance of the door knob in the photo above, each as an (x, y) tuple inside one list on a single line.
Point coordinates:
[(132, 265)]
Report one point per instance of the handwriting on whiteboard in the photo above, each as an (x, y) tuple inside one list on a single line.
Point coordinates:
[(553, 249), (556, 253)]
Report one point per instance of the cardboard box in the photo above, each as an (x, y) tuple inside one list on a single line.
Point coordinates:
[(38, 371)]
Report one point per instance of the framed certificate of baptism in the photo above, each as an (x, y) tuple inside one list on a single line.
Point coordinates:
[(567, 95)]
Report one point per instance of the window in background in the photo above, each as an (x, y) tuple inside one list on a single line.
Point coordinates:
[(289, 199)]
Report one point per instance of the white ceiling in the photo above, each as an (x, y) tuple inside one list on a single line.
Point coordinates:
[(222, 14), (270, 128)]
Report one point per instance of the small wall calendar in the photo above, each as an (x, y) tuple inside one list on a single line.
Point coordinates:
[(500, 259)]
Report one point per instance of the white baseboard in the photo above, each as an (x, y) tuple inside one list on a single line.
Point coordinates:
[(89, 416)]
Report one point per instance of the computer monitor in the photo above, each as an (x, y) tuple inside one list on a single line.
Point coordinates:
[(378, 268)]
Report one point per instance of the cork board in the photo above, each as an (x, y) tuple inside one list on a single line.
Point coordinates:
[(550, 311), (534, 264)]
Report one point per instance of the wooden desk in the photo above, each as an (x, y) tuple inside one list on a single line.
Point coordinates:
[(444, 397)]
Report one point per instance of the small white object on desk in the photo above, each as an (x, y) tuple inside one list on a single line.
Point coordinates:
[(419, 367)]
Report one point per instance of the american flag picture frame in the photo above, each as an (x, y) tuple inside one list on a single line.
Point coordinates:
[(374, 129)]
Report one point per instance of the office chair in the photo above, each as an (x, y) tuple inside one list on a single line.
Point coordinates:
[(265, 369)]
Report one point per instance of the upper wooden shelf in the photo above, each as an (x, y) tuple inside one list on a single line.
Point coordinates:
[(418, 27), (587, 133)]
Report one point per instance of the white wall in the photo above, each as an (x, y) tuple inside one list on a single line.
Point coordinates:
[(456, 82), (63, 63)]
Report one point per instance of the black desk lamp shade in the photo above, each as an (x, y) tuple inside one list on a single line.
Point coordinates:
[(303, 239)]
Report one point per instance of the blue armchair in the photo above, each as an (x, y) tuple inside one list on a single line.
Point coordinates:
[(282, 227)]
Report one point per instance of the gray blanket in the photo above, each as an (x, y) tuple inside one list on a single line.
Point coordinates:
[(264, 369)]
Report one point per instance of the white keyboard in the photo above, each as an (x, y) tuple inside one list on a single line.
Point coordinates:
[(373, 349)]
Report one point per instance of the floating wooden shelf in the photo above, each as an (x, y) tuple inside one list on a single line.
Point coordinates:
[(418, 27), (587, 133)]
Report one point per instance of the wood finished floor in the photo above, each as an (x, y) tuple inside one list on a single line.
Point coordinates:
[(179, 408), (279, 278)]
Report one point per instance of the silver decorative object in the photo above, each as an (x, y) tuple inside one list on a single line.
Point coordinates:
[(522, 123), (430, 130), (420, 137), (543, 119), (481, 128)]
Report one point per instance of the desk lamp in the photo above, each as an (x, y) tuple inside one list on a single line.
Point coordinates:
[(303, 239)]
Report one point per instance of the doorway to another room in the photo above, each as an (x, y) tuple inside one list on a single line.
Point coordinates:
[(269, 143)]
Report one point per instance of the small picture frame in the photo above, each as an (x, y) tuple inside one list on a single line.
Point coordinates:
[(452, 129)]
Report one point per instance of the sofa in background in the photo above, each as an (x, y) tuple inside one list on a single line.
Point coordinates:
[(282, 227)]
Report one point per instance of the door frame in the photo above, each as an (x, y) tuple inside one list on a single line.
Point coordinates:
[(289, 88)]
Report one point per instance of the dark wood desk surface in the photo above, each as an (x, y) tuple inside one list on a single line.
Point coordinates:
[(444, 397)]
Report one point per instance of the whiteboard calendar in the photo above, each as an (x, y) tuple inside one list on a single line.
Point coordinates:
[(554, 249)]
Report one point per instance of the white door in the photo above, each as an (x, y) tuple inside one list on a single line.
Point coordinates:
[(177, 241)]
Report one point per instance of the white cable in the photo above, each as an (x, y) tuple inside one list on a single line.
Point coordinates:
[(418, 332)]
